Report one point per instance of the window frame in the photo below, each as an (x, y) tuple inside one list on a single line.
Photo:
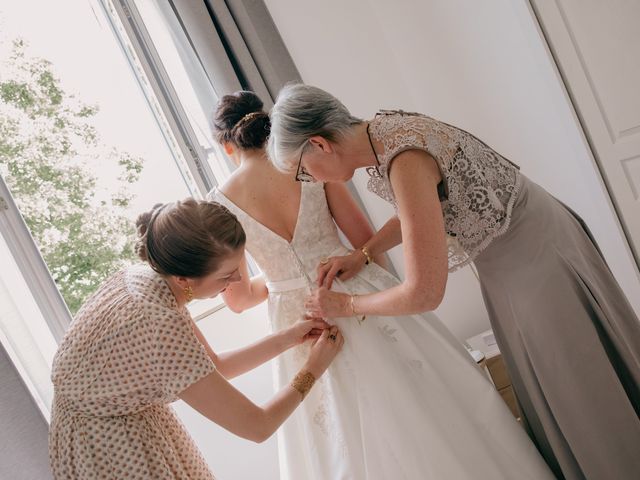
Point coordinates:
[(123, 18), (162, 95), (27, 256)]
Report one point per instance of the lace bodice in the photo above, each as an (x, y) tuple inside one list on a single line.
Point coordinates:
[(479, 185), (315, 236)]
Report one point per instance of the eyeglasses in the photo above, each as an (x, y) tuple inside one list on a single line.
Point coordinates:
[(301, 174)]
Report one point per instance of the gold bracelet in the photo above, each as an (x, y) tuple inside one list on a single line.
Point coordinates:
[(303, 382), (367, 255), (353, 310)]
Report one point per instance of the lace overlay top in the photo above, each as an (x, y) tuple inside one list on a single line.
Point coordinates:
[(479, 186)]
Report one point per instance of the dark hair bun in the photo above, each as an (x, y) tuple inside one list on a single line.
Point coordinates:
[(142, 226), (240, 119), (188, 238)]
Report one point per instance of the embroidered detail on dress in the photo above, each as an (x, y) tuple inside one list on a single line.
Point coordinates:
[(388, 333), (481, 186), (325, 418), (320, 418)]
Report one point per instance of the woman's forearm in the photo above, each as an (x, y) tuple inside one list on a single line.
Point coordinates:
[(423, 236), (403, 299), (385, 239), (278, 409), (219, 401), (236, 362)]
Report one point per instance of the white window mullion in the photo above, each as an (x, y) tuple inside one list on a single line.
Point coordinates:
[(32, 266), (33, 314), (164, 101)]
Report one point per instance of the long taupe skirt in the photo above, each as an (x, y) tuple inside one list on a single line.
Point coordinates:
[(570, 339)]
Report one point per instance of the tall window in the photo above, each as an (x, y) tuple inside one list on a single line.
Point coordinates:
[(85, 146)]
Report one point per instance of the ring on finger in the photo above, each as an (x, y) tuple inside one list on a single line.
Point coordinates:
[(333, 337), (324, 260)]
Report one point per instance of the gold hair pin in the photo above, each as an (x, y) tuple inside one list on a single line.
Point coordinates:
[(249, 116)]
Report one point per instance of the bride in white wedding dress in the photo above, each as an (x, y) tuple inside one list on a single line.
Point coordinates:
[(403, 400)]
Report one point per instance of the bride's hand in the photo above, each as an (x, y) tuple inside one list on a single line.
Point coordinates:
[(344, 268), (310, 328), (327, 304)]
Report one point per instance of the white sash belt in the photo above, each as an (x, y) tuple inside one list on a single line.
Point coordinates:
[(287, 285), (300, 282)]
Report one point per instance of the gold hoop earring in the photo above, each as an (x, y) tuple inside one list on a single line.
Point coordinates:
[(188, 292)]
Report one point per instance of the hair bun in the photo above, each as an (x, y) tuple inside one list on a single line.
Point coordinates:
[(188, 238), (240, 119), (252, 130), (142, 226)]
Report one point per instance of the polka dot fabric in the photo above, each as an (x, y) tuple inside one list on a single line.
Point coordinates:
[(128, 353)]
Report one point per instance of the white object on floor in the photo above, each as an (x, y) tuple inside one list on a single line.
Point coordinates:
[(485, 342)]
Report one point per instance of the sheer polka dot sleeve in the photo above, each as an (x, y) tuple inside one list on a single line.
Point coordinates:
[(180, 359)]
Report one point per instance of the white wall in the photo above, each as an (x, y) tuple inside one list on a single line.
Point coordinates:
[(228, 456), (480, 65)]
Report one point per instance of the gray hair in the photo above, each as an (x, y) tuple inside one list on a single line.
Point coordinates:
[(301, 112)]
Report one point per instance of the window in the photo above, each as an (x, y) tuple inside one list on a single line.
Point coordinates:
[(184, 72), (83, 151)]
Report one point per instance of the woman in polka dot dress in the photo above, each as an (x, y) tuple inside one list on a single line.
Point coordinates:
[(133, 349)]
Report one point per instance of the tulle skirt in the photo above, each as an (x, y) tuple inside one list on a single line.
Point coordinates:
[(403, 400)]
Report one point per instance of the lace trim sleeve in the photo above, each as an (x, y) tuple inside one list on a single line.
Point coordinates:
[(480, 186)]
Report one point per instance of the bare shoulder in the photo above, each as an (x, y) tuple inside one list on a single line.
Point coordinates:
[(258, 188), (235, 184)]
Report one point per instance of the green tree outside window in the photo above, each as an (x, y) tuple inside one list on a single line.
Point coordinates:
[(48, 153)]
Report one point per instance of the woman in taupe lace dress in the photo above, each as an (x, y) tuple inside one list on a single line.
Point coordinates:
[(568, 334)]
